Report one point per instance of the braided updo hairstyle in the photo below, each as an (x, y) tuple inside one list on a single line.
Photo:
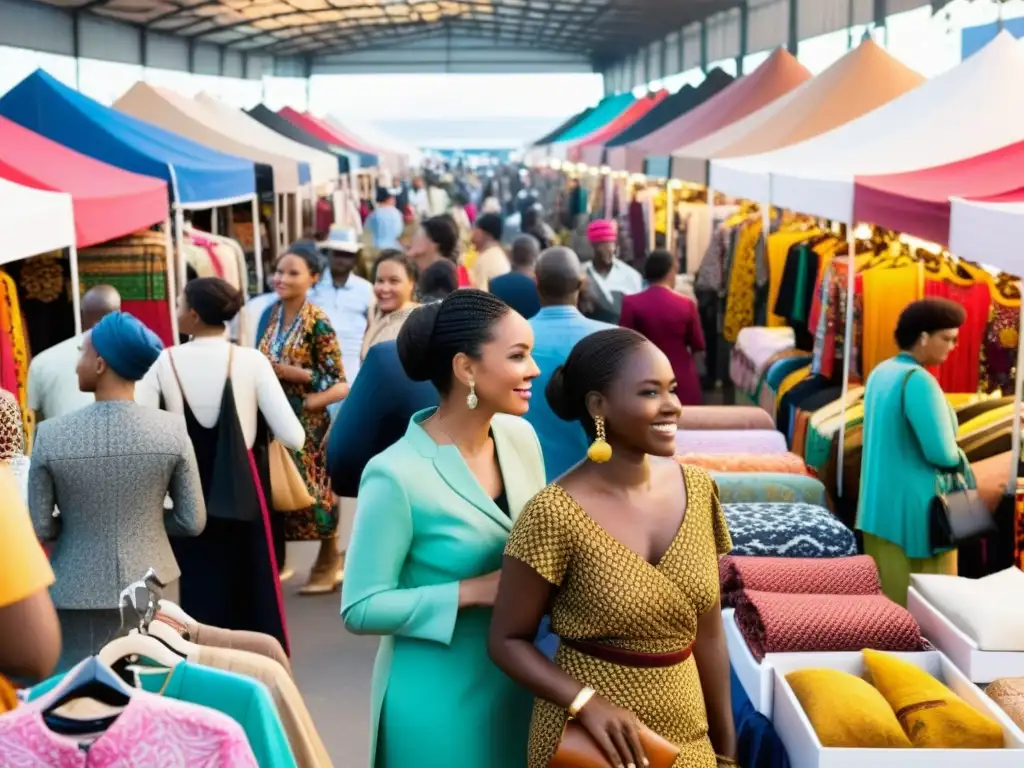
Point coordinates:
[(592, 366), (434, 334)]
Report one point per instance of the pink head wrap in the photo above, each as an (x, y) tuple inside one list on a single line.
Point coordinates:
[(603, 231)]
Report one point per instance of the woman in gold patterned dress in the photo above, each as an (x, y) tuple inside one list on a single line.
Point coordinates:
[(623, 550), (304, 351)]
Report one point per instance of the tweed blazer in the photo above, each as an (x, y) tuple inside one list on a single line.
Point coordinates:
[(108, 468)]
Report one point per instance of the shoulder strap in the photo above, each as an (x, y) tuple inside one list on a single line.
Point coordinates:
[(903, 393), (174, 370)]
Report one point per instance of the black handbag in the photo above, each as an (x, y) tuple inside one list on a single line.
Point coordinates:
[(958, 516), (955, 516)]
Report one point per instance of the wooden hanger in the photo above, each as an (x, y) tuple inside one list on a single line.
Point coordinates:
[(140, 645)]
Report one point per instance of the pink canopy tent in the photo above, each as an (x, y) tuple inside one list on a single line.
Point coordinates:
[(108, 202), (778, 75), (918, 202)]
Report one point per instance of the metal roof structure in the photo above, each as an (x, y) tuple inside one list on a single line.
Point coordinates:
[(602, 31)]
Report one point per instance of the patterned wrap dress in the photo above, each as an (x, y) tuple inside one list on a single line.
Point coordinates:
[(308, 342), (607, 593)]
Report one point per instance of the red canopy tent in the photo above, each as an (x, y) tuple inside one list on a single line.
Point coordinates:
[(108, 202), (590, 149), (917, 202), (324, 130)]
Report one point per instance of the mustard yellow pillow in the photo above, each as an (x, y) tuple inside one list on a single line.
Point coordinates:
[(846, 711), (932, 716)]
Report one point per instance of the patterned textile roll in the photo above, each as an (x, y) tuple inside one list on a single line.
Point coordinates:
[(856, 575), (731, 441), (1008, 693), (762, 487), (787, 530), (778, 623), (712, 417)]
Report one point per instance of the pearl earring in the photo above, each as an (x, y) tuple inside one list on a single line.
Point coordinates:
[(472, 401)]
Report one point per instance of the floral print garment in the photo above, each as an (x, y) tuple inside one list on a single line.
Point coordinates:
[(309, 342)]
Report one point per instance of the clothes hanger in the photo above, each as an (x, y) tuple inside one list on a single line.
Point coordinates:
[(143, 646), (174, 611), (169, 637), (92, 679)]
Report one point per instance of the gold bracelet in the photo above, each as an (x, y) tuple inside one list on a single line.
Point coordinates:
[(727, 761), (585, 695)]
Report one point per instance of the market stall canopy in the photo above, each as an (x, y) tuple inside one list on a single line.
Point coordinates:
[(591, 149), (779, 74), (674, 107), (406, 154), (323, 166), (988, 231), (34, 221), (328, 133), (391, 159), (864, 79), (918, 202), (603, 113), (185, 117), (108, 202), (573, 121), (344, 158), (964, 112), (196, 174)]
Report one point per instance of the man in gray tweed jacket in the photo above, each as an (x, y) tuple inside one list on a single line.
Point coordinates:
[(108, 468)]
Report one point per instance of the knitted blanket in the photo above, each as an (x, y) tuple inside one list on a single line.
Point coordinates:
[(778, 623), (856, 575), (787, 530), (746, 462)]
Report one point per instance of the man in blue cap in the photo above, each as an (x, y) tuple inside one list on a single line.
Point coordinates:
[(108, 467)]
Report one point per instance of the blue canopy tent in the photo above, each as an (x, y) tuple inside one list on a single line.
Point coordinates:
[(198, 178)]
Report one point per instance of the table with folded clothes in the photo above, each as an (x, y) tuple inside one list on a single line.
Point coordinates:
[(712, 417), (777, 487), (755, 347), (730, 441)]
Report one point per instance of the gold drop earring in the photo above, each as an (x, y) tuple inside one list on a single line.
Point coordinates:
[(599, 451), (472, 401)]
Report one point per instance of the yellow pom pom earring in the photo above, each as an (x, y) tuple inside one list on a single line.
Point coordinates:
[(599, 451)]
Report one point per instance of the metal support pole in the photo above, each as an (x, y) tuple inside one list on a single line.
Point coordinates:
[(172, 298), (851, 274), (793, 34), (76, 46), (744, 37), (257, 246), (76, 288), (704, 45)]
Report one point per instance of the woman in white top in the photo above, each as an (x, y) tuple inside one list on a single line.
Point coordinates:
[(229, 573)]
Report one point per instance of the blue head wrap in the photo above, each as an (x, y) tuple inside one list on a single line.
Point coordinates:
[(128, 347)]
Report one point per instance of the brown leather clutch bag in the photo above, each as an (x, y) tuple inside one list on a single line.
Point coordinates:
[(578, 750)]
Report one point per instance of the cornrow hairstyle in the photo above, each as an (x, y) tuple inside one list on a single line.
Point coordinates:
[(434, 334), (592, 366)]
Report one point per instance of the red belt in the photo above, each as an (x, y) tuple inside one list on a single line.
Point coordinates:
[(625, 658)]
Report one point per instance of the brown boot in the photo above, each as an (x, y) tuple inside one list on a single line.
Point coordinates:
[(325, 575)]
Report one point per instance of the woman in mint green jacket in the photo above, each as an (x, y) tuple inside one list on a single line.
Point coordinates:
[(910, 448), (434, 512)]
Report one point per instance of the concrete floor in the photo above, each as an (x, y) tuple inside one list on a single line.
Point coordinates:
[(332, 667)]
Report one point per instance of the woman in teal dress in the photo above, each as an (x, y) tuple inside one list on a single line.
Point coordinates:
[(434, 513), (910, 448)]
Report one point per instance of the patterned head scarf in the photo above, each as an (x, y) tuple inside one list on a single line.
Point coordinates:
[(12, 431)]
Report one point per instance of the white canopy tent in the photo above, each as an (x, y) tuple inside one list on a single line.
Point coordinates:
[(323, 167), (35, 221), (380, 139), (989, 233), (967, 111)]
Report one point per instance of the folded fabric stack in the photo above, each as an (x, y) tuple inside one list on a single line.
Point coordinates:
[(711, 417), (902, 707), (986, 609), (746, 462), (731, 441), (763, 487), (754, 348), (788, 623), (856, 575), (787, 530)]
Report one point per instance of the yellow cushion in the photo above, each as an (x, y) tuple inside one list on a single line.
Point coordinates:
[(931, 715), (846, 711)]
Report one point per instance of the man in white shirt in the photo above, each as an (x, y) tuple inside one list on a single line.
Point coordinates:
[(418, 199), (344, 296), (491, 260), (608, 278), (52, 380)]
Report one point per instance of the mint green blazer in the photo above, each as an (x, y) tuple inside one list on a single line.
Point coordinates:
[(423, 524)]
